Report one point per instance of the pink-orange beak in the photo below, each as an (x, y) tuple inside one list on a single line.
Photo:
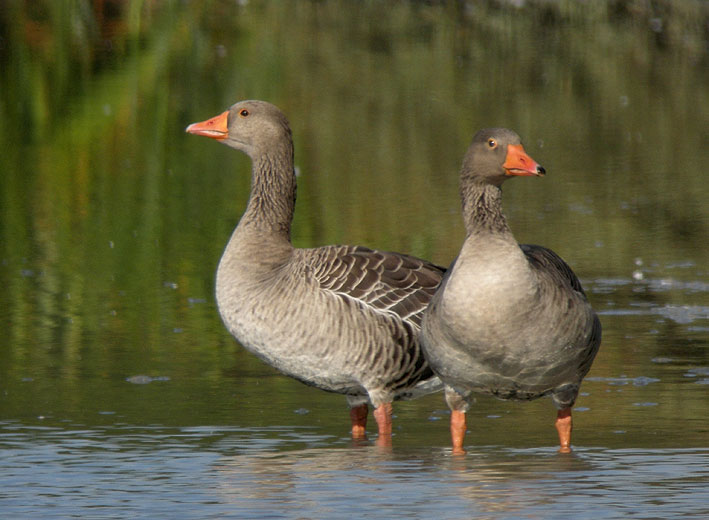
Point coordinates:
[(518, 162), (216, 127)]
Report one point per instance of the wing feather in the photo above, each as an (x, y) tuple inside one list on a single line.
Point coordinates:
[(383, 281), (548, 261)]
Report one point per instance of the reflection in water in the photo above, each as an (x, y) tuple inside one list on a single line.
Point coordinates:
[(317, 483), (480, 483), (298, 473)]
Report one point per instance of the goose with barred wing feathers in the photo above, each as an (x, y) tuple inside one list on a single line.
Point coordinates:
[(341, 318)]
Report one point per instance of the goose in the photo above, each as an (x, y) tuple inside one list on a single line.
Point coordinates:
[(341, 318), (508, 320)]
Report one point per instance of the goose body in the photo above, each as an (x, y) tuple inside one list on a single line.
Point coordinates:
[(508, 320), (327, 316), (341, 318)]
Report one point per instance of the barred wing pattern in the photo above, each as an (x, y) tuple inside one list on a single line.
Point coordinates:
[(387, 282)]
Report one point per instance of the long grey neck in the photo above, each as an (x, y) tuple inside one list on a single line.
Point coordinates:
[(272, 200), (482, 208)]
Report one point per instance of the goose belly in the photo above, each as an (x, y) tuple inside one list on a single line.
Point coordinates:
[(500, 339), (322, 343), (512, 369)]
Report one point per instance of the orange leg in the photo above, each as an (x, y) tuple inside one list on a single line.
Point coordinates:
[(458, 428), (358, 415), (383, 416), (563, 426)]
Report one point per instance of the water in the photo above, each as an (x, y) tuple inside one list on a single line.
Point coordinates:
[(121, 394), (229, 472)]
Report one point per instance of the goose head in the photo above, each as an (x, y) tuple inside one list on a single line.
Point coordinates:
[(254, 127), (495, 155)]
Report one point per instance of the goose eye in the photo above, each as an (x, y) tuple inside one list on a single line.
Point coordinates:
[(243, 112), (492, 143)]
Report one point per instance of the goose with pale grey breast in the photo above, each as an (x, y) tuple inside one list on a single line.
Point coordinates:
[(509, 320), (341, 318)]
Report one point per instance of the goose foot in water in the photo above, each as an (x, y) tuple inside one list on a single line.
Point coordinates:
[(458, 428), (382, 414), (358, 414), (563, 426)]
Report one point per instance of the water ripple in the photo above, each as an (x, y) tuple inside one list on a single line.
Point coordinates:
[(85, 474)]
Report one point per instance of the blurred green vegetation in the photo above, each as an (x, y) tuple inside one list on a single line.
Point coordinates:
[(112, 219)]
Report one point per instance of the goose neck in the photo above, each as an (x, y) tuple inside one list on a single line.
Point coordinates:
[(482, 209), (272, 200)]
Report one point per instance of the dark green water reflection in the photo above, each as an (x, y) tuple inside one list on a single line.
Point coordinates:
[(112, 219)]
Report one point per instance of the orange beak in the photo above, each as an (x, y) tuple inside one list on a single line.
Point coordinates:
[(518, 162), (216, 127)]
